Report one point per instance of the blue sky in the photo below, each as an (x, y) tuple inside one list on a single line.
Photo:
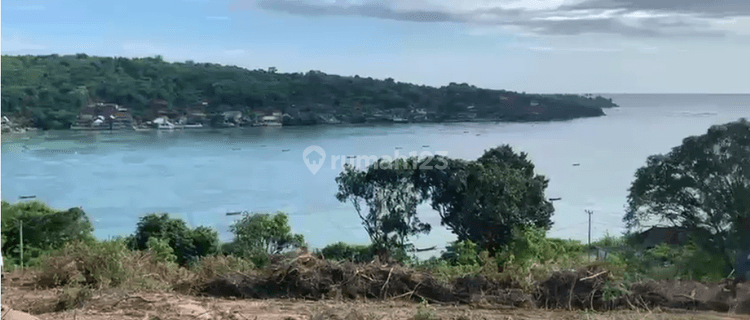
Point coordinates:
[(578, 46)]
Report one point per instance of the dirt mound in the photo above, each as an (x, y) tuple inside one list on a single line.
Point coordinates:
[(309, 277)]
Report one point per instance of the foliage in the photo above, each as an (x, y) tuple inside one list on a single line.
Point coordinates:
[(49, 90), (484, 200), (161, 250), (44, 229), (107, 264), (258, 235), (702, 185), (187, 244), (530, 246), (688, 262), (387, 190), (214, 266), (342, 252), (462, 253)]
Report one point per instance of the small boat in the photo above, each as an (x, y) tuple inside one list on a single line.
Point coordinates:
[(426, 146), (235, 148), (399, 147), (285, 150), (189, 126), (478, 134), (26, 197), (400, 120), (576, 164), (554, 199), (466, 131), (350, 157)]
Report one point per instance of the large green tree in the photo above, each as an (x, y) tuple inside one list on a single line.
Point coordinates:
[(702, 185), (387, 190), (484, 200), (187, 244), (260, 235), (44, 229)]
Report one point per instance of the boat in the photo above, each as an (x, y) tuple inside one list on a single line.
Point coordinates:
[(400, 120), (576, 164), (165, 126), (285, 150), (190, 126), (141, 129)]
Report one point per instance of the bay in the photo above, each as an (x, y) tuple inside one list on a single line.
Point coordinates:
[(201, 175)]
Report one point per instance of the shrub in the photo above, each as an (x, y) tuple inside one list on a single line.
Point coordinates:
[(187, 244), (107, 264), (341, 251), (218, 265), (44, 229)]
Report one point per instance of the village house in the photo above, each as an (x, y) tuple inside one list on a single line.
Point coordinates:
[(668, 235)]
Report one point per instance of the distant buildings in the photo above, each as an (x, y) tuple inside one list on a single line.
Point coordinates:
[(104, 116)]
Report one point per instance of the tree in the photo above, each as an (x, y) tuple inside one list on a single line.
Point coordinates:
[(387, 189), (44, 229), (484, 200), (187, 244), (702, 185), (259, 235)]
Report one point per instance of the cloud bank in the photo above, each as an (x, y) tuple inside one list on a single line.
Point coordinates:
[(632, 18)]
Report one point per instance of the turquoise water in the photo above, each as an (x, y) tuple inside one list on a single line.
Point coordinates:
[(203, 174)]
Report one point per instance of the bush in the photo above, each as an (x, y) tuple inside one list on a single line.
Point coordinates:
[(462, 253), (188, 245), (44, 229), (346, 252), (257, 236), (218, 265), (107, 264)]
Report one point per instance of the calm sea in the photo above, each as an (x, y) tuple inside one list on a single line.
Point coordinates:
[(201, 175)]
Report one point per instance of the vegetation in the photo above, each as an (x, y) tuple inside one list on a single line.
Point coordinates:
[(480, 201), (261, 235), (49, 91), (186, 244), (499, 190), (702, 185), (44, 229)]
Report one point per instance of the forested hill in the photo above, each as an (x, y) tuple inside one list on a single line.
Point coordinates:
[(50, 90)]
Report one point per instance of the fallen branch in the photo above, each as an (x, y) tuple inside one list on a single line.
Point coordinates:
[(410, 293), (386, 282), (594, 276)]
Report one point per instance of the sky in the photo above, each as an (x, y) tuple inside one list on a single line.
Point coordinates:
[(541, 46)]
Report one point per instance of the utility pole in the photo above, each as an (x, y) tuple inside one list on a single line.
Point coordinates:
[(21, 232), (590, 213)]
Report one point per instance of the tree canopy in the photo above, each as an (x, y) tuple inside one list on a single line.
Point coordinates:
[(702, 185), (481, 201), (187, 244), (50, 90), (44, 229), (259, 235)]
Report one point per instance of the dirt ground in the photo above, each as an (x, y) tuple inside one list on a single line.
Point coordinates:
[(19, 294)]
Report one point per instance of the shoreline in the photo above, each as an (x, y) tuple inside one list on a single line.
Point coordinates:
[(373, 123)]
